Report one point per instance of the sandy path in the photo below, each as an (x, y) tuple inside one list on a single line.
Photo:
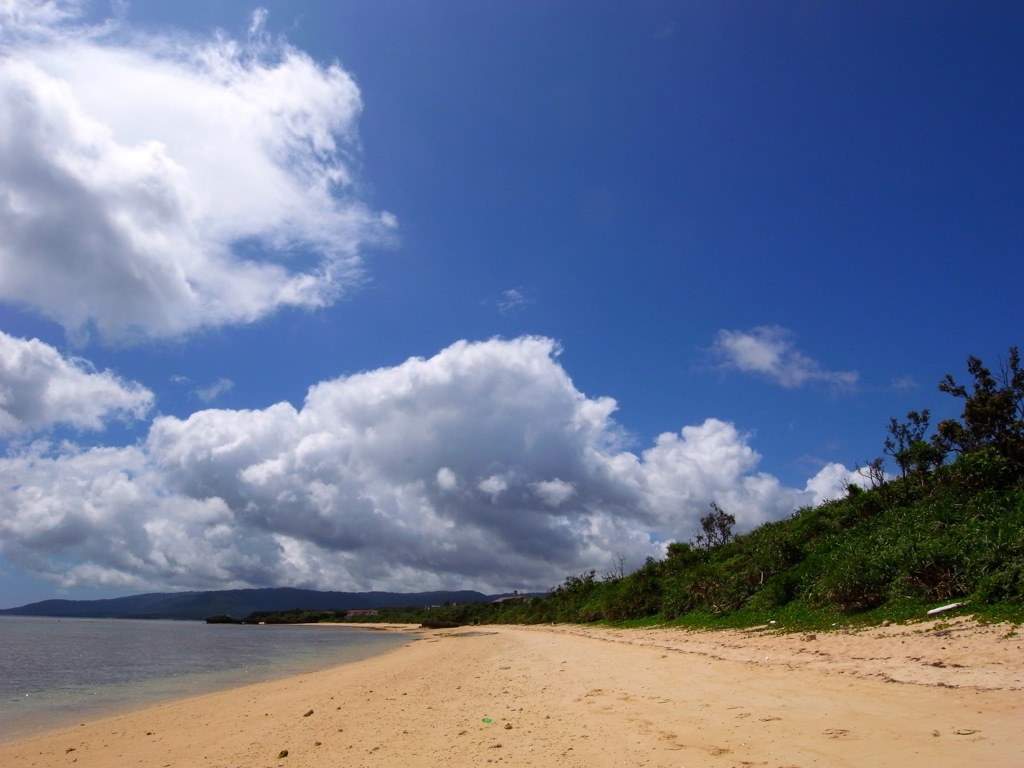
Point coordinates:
[(575, 696)]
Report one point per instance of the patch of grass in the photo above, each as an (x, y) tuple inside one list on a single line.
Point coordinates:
[(1009, 613)]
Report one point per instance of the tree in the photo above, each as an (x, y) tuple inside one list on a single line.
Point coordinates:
[(993, 415), (873, 472), (618, 569), (907, 445), (716, 528)]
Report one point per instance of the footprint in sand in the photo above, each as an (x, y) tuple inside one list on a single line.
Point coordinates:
[(836, 733)]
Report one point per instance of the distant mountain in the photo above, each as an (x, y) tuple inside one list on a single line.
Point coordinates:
[(235, 602)]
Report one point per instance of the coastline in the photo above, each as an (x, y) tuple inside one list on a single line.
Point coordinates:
[(932, 694), (57, 674)]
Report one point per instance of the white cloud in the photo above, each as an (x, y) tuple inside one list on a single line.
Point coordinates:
[(103, 517), (482, 466), (832, 482), (904, 382), (446, 479), (512, 299), (215, 390), (769, 351), (25, 18), (493, 486), (684, 472), (554, 492), (150, 186), (39, 388)]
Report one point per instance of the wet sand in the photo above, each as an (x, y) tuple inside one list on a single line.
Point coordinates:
[(935, 694)]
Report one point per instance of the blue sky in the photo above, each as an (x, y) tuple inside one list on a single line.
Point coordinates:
[(416, 295)]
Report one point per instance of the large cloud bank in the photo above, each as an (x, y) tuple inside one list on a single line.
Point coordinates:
[(482, 466), (151, 186)]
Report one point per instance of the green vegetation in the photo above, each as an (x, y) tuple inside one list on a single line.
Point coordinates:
[(941, 531), (295, 616), (222, 618)]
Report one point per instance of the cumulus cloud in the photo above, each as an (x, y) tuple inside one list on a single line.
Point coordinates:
[(104, 518), (482, 466), (832, 481), (769, 352), (154, 185), (39, 388)]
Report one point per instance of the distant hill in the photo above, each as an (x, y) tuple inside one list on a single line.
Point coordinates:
[(235, 602)]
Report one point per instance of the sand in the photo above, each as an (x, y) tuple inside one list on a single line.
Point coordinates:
[(935, 694)]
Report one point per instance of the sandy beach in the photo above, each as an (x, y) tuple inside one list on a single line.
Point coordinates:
[(933, 694)]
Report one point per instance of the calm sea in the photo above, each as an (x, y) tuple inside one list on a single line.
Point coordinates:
[(59, 672)]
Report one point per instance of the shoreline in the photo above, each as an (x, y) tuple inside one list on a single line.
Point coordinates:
[(68, 698), (934, 694)]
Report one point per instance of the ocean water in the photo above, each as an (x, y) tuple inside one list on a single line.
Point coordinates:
[(57, 673)]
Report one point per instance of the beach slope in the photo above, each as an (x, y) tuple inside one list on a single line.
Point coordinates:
[(922, 695)]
